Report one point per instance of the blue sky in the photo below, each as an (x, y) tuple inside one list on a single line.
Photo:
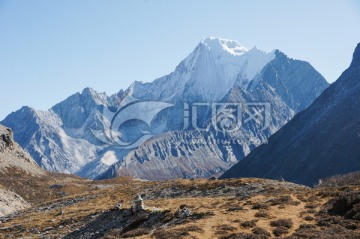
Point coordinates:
[(52, 49)]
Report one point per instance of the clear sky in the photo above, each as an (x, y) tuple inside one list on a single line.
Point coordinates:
[(52, 49)]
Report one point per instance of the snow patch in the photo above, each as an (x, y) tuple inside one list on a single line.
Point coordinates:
[(218, 45), (109, 158)]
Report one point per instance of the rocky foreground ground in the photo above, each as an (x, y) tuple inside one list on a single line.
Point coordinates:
[(234, 208)]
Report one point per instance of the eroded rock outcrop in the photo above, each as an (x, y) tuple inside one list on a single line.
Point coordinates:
[(6, 138)]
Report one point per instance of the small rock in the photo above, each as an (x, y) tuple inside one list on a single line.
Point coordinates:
[(48, 229), (35, 230), (138, 204), (235, 209), (118, 205), (182, 212)]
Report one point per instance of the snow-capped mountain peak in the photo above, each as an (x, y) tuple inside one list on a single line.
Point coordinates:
[(216, 64), (208, 73), (219, 45)]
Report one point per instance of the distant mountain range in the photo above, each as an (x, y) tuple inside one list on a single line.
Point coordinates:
[(98, 136), (321, 141)]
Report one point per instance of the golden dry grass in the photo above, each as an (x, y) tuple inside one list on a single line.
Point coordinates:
[(298, 206)]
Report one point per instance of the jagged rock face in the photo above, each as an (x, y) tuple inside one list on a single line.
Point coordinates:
[(296, 82), (79, 105), (61, 139), (321, 141), (178, 154), (13, 157), (6, 138), (159, 158), (194, 154), (41, 134)]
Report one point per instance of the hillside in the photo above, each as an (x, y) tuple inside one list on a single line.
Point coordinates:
[(236, 208), (24, 184)]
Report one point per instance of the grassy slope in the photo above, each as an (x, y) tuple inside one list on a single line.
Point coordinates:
[(228, 208)]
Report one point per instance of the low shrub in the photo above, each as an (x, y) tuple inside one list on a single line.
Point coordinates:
[(287, 223)]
